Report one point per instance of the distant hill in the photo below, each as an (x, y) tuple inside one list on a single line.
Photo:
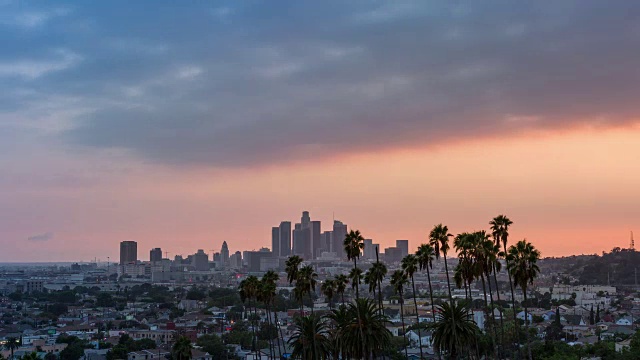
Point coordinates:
[(617, 267)]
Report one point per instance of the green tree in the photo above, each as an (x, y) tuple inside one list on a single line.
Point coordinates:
[(439, 239), (328, 289), (363, 331), (292, 266), (522, 262), (181, 350), (341, 285), (353, 246), (398, 282), (310, 338), (454, 332), (11, 344), (410, 266), (213, 345)]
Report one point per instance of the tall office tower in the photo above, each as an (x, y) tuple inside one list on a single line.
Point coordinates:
[(403, 245), (200, 260), (128, 252), (337, 241), (305, 219), (155, 255), (285, 238), (224, 254), (392, 255), (325, 239), (316, 244), (275, 240), (302, 242), (369, 253)]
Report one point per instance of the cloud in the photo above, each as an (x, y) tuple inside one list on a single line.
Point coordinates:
[(34, 68), (266, 89), (41, 237)]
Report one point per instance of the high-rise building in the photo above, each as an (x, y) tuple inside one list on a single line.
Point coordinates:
[(275, 240), (369, 253), (325, 239), (337, 239), (302, 242), (392, 254), (200, 261), (403, 245), (285, 239), (305, 220), (128, 252), (155, 255), (316, 245), (235, 260), (224, 254)]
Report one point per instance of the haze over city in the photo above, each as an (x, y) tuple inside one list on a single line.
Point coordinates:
[(182, 126)]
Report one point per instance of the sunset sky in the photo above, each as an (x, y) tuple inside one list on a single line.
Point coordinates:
[(182, 126)]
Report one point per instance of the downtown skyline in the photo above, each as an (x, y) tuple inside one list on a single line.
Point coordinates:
[(181, 127)]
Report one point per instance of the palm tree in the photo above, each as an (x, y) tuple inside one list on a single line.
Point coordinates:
[(249, 291), (353, 246), (307, 278), (355, 276), (500, 231), (12, 344), (488, 256), (425, 256), (398, 282), (340, 319), (439, 239), (341, 285), (410, 266), (292, 268), (522, 259), (454, 332), (267, 294), (310, 339), (378, 272), (364, 335), (182, 349), (328, 289)]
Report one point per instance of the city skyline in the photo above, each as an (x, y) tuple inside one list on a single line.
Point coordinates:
[(183, 126)]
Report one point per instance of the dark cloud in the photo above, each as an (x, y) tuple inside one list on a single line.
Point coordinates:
[(41, 237), (241, 85)]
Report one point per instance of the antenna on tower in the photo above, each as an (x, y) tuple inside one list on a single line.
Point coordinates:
[(633, 245)]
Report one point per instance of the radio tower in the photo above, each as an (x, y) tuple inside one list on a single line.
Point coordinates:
[(633, 245)]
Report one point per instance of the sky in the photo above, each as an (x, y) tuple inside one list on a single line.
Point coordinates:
[(184, 124)]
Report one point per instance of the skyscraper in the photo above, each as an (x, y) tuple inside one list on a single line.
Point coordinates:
[(325, 239), (128, 252), (369, 252), (275, 240), (302, 242), (224, 254), (285, 238), (403, 245), (337, 241), (200, 261), (155, 255), (316, 244)]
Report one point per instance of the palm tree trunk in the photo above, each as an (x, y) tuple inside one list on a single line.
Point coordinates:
[(380, 297), (433, 307), (404, 332), (486, 305), (495, 278), (526, 323), (355, 266), (446, 269), (513, 301), (253, 329), (271, 349), (281, 338), (342, 295), (415, 303), (493, 325)]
